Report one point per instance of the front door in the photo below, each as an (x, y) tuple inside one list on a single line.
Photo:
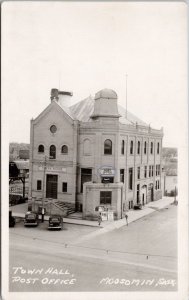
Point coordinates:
[(142, 199), (51, 186)]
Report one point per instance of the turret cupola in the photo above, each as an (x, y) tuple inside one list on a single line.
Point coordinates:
[(105, 104)]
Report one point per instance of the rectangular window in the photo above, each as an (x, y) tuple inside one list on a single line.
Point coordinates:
[(138, 172), (64, 187), (151, 148), (39, 185), (86, 176), (130, 178), (122, 175), (131, 147), (122, 147), (152, 171), (106, 197), (145, 171), (138, 147), (138, 193), (149, 171)]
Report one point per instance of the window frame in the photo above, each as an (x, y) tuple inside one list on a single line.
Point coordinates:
[(138, 147), (108, 148), (138, 172), (106, 193), (130, 178), (52, 152), (64, 187), (66, 147), (145, 147), (131, 147), (40, 152), (122, 147), (151, 147), (39, 184)]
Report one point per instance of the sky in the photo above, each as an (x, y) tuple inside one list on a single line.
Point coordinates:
[(84, 47)]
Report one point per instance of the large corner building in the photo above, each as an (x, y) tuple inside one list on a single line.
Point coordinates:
[(93, 154)]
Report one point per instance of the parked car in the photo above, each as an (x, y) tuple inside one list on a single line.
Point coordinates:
[(11, 220), (55, 222), (31, 219), (138, 206)]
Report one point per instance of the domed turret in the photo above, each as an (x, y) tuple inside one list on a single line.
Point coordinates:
[(105, 104)]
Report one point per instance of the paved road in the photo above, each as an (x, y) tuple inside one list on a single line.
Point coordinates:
[(143, 257)]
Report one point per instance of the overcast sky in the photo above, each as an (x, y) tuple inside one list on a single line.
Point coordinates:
[(85, 47)]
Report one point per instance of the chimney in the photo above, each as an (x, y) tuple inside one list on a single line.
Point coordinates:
[(54, 94), (62, 97)]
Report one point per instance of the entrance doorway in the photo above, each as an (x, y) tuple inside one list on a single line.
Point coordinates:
[(51, 186), (142, 199), (152, 194)]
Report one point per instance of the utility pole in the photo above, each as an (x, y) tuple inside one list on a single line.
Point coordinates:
[(43, 196), (126, 97)]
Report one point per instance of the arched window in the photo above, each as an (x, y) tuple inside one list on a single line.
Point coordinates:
[(122, 147), (41, 149), (138, 147), (157, 148), (151, 148), (131, 147), (64, 149), (86, 147), (108, 147), (145, 147), (52, 154)]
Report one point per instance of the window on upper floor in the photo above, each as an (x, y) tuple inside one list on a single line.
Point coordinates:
[(39, 185), (86, 147), (130, 178), (138, 172), (131, 147), (145, 171), (41, 149), (122, 147), (108, 147), (64, 149), (145, 147), (150, 171), (157, 148), (151, 148), (122, 171), (52, 152), (138, 147)]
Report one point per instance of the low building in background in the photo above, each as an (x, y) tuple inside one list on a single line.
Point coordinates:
[(93, 153)]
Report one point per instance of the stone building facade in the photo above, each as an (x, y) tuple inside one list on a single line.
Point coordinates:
[(94, 154)]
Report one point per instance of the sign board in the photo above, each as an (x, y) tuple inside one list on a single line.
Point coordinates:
[(107, 172), (110, 216), (104, 215), (99, 208)]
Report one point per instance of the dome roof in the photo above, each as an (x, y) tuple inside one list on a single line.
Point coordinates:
[(106, 93)]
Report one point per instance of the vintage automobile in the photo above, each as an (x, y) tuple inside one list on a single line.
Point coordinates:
[(55, 222), (31, 219), (138, 206), (11, 220)]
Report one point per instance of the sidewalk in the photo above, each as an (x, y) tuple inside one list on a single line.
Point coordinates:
[(133, 215)]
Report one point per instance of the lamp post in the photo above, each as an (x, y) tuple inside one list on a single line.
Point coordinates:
[(43, 195)]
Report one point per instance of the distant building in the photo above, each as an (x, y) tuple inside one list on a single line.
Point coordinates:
[(24, 154), (94, 154)]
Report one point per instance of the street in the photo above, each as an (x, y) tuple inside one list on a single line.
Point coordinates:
[(138, 257)]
